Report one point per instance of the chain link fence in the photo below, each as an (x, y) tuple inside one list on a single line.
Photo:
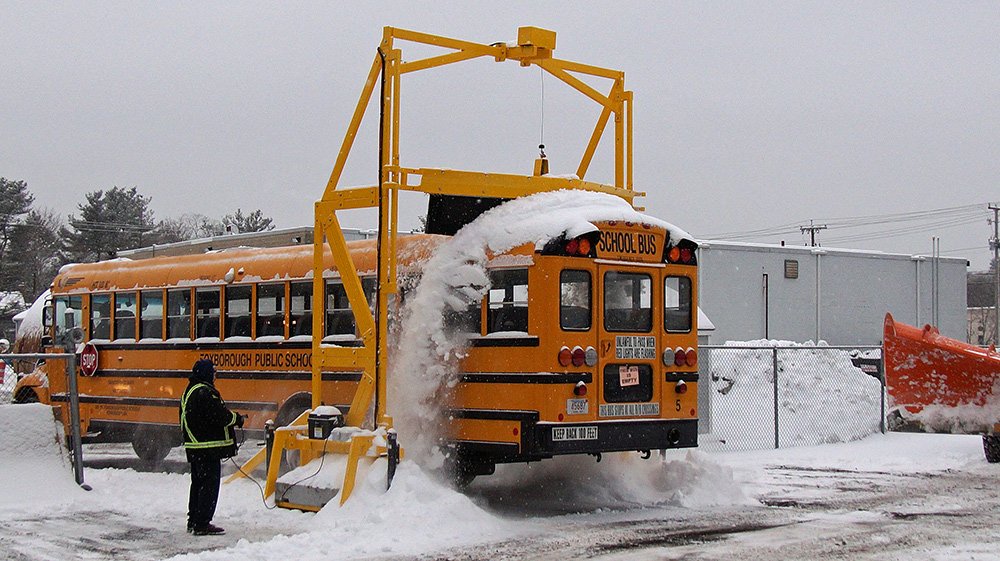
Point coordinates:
[(790, 395), (8, 379)]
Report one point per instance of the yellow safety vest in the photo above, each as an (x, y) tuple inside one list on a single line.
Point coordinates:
[(194, 443)]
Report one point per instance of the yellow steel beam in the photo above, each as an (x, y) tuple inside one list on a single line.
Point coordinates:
[(595, 139), (507, 186), (440, 60), (352, 129), (553, 67)]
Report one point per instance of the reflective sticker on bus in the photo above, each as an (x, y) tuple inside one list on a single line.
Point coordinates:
[(635, 347), (574, 433), (629, 409)]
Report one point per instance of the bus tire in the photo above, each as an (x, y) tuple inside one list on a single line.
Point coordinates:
[(26, 395), (151, 445), (991, 446)]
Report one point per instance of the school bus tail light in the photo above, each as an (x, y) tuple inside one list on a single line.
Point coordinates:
[(584, 245), (579, 356), (580, 389), (590, 356), (565, 356), (690, 357), (680, 357), (681, 255), (681, 386)]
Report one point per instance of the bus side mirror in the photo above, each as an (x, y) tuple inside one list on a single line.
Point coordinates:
[(48, 313)]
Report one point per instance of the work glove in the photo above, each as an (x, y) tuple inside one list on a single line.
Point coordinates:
[(239, 420)]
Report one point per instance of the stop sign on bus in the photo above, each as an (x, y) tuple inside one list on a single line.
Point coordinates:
[(88, 359)]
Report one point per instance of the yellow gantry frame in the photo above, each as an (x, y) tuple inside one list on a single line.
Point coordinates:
[(534, 47)]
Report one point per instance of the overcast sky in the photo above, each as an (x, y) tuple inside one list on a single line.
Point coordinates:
[(748, 116)]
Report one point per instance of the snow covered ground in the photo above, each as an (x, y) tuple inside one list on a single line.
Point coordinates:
[(894, 496)]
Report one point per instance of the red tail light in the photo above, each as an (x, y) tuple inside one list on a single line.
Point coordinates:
[(681, 387), (572, 246), (565, 356), (691, 357), (580, 389), (680, 357), (685, 255), (579, 356)]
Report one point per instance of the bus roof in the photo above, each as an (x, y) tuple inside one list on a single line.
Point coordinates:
[(236, 265)]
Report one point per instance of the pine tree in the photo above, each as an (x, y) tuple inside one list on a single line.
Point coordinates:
[(15, 202), (109, 222), (36, 253), (253, 222)]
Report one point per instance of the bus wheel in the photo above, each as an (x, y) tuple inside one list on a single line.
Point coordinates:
[(991, 446), (151, 445), (26, 395)]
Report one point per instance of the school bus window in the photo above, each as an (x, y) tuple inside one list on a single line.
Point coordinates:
[(179, 314), (339, 317), (270, 310), (628, 302), (207, 312), (469, 320), (574, 300), (238, 311), (508, 301), (124, 315), (677, 304), (64, 303), (301, 308), (151, 314), (100, 316)]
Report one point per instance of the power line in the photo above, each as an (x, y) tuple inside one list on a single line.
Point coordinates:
[(890, 225)]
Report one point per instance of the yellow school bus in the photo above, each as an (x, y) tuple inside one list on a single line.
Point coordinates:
[(590, 347), (581, 345)]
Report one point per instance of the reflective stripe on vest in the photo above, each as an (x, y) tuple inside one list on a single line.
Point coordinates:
[(195, 444)]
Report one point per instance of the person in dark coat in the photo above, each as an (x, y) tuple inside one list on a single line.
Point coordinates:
[(207, 425)]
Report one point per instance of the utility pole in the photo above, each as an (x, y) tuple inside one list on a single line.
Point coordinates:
[(812, 231), (995, 246)]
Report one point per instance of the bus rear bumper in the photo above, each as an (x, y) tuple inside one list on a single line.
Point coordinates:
[(551, 439)]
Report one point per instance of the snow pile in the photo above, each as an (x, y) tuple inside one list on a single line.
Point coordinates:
[(33, 458), (822, 397), (455, 277), (414, 516)]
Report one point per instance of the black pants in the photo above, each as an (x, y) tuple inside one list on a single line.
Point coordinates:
[(206, 474)]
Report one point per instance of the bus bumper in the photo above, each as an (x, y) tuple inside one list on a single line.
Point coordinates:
[(550, 439)]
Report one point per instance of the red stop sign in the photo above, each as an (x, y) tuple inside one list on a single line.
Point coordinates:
[(88, 359)]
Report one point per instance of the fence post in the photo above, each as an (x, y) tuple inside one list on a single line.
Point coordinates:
[(74, 415), (774, 368), (881, 380)]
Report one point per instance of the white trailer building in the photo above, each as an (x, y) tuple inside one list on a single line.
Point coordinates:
[(841, 296)]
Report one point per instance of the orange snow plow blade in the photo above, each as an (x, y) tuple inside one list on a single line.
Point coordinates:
[(939, 384)]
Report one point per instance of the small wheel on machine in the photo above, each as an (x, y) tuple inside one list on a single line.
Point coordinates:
[(991, 446)]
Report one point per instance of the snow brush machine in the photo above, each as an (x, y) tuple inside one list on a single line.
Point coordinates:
[(333, 448), (938, 384)]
